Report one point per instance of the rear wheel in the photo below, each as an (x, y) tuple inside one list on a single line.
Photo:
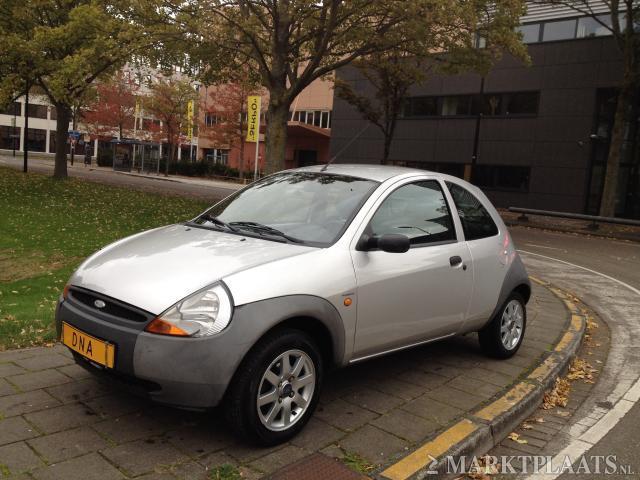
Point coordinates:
[(502, 337), (276, 389)]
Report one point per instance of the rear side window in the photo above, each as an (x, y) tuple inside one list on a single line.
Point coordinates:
[(476, 221), (417, 210)]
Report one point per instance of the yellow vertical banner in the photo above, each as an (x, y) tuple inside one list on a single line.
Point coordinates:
[(253, 124), (190, 119)]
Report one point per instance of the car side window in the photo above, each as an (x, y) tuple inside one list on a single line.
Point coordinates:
[(419, 211), (475, 219)]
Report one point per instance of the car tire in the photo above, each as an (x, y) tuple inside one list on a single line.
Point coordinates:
[(503, 335), (253, 392)]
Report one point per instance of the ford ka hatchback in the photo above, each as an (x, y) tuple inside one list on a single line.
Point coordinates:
[(249, 304)]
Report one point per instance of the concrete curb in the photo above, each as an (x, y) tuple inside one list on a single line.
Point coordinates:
[(478, 432), (630, 237)]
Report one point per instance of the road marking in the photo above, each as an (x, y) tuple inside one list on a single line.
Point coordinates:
[(417, 460), (579, 446), (543, 246), (620, 282)]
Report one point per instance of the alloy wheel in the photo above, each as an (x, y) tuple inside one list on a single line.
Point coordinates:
[(286, 390)]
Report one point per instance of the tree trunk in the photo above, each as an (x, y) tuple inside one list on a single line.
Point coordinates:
[(62, 129), (276, 136), (25, 153), (609, 193), (73, 127), (241, 163)]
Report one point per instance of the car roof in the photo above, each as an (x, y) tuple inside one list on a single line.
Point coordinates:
[(378, 173)]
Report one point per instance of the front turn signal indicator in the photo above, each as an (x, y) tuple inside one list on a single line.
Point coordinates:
[(65, 292), (163, 327)]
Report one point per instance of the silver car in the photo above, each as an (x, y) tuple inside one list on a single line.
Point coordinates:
[(249, 304)]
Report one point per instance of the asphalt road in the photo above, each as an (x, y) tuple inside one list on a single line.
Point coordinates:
[(213, 192), (617, 259)]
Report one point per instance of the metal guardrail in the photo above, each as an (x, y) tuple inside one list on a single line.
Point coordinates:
[(594, 219)]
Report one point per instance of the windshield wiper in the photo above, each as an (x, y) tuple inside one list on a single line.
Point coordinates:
[(260, 228), (216, 221)]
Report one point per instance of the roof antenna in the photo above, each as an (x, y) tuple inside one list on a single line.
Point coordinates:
[(326, 165)]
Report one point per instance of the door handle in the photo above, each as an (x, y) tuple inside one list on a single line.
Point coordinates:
[(456, 261)]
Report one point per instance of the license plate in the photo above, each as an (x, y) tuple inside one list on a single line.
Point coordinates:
[(96, 350)]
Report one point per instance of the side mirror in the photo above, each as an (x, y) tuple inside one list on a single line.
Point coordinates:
[(394, 243), (390, 242)]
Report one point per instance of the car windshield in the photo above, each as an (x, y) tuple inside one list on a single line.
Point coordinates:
[(300, 207)]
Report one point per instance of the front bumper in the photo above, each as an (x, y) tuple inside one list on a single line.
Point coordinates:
[(184, 372)]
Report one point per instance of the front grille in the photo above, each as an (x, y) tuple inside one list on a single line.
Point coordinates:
[(112, 307)]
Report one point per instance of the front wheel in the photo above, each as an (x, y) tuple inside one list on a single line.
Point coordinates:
[(276, 389), (502, 337)]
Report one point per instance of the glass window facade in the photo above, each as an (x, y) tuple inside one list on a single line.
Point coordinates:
[(488, 104), (559, 30), (37, 111), (7, 141), (530, 32), (36, 140), (14, 108)]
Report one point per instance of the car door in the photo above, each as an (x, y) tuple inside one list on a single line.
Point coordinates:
[(421, 294), (487, 248)]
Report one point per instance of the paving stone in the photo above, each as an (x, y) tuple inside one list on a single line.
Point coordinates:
[(405, 425), (157, 476), (398, 388), (245, 452), (64, 417), (444, 370), (78, 391), (374, 444), (88, 467), (44, 362), (430, 409), (130, 427), (116, 405), (68, 444), (373, 400), (455, 397), (14, 429), (11, 405), (36, 380), (278, 459), (217, 459), (488, 376), (316, 435), (474, 387), (18, 457), (424, 379), (189, 471), (75, 371), (12, 355), (200, 439), (7, 369), (143, 456), (6, 388), (343, 415)]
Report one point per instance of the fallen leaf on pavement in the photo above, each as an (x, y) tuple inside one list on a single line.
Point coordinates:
[(516, 438)]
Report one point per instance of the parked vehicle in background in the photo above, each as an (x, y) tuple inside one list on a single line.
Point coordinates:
[(252, 302)]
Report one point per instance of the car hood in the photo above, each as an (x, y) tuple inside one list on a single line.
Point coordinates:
[(154, 269)]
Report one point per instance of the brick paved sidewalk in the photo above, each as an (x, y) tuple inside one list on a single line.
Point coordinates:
[(58, 422)]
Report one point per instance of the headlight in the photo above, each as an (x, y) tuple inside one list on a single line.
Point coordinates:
[(204, 313)]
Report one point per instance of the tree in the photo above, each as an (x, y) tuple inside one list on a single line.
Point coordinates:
[(114, 106), (167, 101), (447, 42), (621, 21), (292, 42), (227, 107), (65, 46)]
